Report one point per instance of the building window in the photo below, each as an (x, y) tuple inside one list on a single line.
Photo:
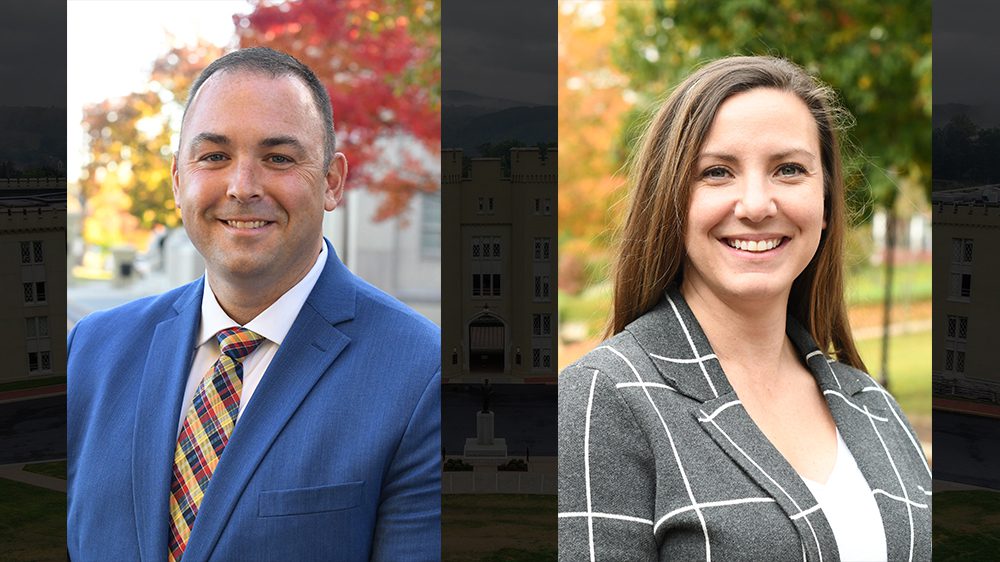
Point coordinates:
[(960, 287), (430, 225), (961, 251), (39, 361), (40, 291), (541, 324), (487, 206), (36, 327), (958, 328), (486, 248), (543, 205), (542, 249), (542, 288), (486, 285), (541, 357), (29, 292), (32, 252)]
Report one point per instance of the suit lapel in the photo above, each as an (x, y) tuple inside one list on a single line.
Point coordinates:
[(310, 348), (161, 390)]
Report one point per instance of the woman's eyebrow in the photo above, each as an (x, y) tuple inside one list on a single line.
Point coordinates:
[(792, 152)]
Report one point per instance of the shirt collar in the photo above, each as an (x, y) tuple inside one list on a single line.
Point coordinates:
[(274, 322)]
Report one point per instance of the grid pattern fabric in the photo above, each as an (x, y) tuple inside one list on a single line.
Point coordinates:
[(659, 460)]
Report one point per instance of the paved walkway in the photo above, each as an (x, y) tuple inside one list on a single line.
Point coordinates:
[(32, 393), (17, 473), (967, 407)]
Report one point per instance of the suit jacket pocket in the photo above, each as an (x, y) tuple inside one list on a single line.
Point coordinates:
[(319, 499)]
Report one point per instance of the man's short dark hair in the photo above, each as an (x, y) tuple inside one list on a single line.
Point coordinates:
[(274, 64)]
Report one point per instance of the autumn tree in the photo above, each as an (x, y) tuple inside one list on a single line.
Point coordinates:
[(380, 61), (126, 182)]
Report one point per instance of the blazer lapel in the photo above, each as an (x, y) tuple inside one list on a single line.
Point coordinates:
[(310, 348), (161, 390), (681, 352), (862, 425), (729, 425)]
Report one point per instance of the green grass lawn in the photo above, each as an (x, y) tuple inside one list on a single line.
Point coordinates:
[(54, 469), (32, 383), (32, 523), (966, 525), (910, 282), (498, 527), (909, 369)]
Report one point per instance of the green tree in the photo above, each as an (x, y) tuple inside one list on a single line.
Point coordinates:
[(876, 55)]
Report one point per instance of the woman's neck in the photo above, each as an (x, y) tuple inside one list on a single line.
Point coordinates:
[(748, 336)]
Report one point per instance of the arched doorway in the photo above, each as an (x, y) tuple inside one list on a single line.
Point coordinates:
[(487, 345)]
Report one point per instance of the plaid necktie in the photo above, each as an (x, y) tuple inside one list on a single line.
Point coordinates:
[(205, 432)]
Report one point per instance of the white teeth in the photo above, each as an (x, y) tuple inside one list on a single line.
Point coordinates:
[(754, 245), (246, 224)]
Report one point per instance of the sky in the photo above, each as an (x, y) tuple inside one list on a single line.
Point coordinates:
[(112, 46), (966, 51), (474, 34), (31, 56)]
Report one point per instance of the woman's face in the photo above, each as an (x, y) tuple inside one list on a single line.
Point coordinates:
[(756, 208)]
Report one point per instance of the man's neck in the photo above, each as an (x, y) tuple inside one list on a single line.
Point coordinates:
[(243, 299)]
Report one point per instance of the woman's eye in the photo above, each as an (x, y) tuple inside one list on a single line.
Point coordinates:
[(789, 170), (716, 173)]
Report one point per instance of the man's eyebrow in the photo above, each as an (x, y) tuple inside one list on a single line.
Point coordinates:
[(281, 141), (213, 138)]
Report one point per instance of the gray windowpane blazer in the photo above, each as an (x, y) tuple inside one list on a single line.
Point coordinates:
[(658, 459)]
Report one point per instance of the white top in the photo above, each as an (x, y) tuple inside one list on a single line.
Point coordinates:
[(273, 324), (850, 507)]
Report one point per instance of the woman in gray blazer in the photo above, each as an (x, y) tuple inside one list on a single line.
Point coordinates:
[(728, 416)]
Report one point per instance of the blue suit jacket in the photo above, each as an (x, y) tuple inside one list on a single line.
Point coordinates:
[(336, 457)]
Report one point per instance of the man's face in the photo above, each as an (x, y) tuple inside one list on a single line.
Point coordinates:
[(249, 178)]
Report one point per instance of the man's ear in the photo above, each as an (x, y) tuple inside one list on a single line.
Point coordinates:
[(176, 183), (336, 175)]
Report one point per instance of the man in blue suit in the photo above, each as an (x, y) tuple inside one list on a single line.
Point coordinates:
[(279, 408)]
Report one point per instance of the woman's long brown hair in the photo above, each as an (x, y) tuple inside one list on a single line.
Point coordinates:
[(651, 255)]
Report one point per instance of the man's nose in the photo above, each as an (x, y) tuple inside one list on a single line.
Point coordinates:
[(756, 201), (244, 184)]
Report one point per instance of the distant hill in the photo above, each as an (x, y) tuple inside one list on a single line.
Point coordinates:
[(32, 138), (469, 120), (984, 116)]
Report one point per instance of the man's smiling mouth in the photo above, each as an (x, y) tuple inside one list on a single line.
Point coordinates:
[(247, 224)]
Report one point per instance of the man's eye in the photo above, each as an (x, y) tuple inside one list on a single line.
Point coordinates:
[(279, 159), (216, 157), (789, 170)]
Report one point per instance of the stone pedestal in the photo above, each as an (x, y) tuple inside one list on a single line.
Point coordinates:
[(484, 444)]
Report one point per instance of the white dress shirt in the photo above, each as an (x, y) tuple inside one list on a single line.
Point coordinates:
[(273, 324)]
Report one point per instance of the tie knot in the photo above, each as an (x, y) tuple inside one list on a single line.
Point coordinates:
[(237, 342)]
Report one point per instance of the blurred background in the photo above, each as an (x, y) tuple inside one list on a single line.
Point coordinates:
[(617, 60), (130, 67)]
